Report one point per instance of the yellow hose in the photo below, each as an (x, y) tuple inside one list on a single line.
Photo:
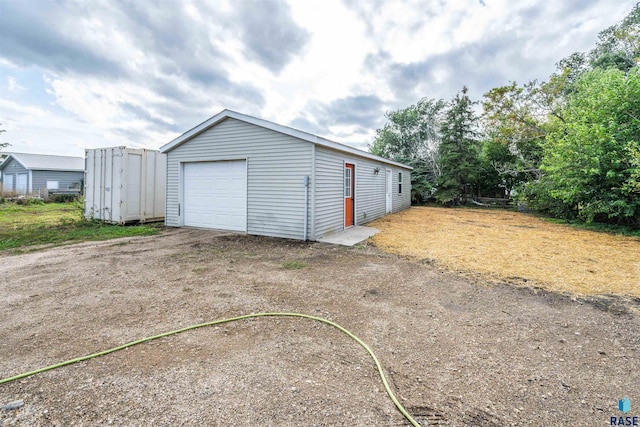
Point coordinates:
[(217, 322)]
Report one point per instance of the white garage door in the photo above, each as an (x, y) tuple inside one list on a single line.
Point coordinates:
[(21, 183), (215, 195), (8, 183)]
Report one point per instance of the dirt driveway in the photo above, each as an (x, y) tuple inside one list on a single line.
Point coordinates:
[(457, 352)]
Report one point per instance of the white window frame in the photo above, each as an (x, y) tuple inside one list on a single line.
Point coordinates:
[(50, 185), (347, 176)]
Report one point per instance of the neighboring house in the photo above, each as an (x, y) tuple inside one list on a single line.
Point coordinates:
[(39, 173), (241, 173)]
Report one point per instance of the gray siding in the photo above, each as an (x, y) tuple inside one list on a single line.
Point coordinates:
[(66, 180), (370, 190), (276, 166), (37, 179), (13, 168), (371, 198), (329, 192), (401, 201)]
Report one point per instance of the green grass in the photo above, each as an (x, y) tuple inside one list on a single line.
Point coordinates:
[(17, 216), (597, 226), (294, 265), (57, 224)]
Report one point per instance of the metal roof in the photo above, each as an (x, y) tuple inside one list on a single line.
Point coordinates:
[(224, 114), (46, 162)]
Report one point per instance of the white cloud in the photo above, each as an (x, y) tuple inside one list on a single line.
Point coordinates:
[(34, 129), (13, 85), (139, 75), (330, 65)]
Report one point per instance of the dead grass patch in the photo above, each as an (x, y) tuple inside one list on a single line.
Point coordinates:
[(515, 247)]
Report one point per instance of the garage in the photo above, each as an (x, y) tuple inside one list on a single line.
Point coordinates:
[(241, 173), (215, 195)]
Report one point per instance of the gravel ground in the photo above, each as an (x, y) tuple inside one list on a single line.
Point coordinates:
[(458, 351)]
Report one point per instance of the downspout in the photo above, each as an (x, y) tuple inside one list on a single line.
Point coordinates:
[(306, 206), (312, 195)]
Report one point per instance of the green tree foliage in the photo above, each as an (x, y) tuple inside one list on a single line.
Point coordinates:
[(619, 45), (3, 144), (568, 145), (411, 136), (499, 170), (591, 159), (516, 122), (530, 120), (514, 118), (458, 153)]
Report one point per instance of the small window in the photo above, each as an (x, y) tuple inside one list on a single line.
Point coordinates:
[(52, 185), (399, 182), (347, 182)]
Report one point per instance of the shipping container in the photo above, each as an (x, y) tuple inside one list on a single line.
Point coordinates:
[(124, 185)]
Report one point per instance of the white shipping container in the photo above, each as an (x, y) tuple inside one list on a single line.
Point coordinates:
[(124, 185)]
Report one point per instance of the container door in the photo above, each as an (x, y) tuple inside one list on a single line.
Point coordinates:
[(134, 191)]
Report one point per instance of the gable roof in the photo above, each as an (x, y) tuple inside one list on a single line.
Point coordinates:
[(314, 139), (46, 162)]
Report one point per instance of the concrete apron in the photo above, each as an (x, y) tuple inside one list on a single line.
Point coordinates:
[(350, 236)]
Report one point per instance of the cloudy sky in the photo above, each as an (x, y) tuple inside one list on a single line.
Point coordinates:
[(85, 74)]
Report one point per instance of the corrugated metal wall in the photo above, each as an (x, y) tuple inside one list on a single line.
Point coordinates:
[(276, 167), (124, 184)]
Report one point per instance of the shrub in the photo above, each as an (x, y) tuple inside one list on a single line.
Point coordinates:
[(63, 198)]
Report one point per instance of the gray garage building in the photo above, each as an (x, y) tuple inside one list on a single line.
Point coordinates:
[(238, 172), (39, 174)]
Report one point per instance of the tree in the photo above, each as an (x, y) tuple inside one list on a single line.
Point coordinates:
[(3, 145), (518, 117), (569, 150), (499, 169), (619, 45), (410, 132), (411, 136), (458, 151), (591, 161)]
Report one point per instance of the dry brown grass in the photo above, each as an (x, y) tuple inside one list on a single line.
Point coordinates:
[(513, 246)]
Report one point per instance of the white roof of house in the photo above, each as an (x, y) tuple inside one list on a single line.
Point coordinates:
[(225, 114), (46, 162)]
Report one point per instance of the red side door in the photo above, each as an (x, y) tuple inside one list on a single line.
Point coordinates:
[(349, 186)]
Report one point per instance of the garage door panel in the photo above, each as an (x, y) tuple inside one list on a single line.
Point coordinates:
[(21, 183), (8, 183), (238, 184), (215, 195), (237, 203)]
